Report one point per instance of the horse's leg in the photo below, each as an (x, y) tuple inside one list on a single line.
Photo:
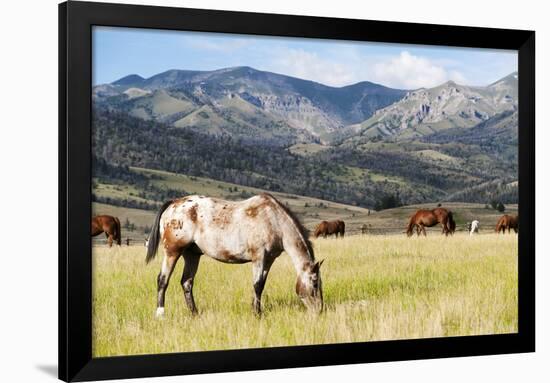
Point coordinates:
[(168, 263), (423, 230), (260, 269), (109, 240), (189, 270)]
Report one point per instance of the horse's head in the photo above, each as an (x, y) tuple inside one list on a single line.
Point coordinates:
[(410, 226), (309, 286)]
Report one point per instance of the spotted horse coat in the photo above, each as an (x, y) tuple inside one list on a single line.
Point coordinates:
[(255, 230)]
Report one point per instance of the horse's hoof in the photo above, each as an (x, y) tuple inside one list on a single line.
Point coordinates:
[(160, 313)]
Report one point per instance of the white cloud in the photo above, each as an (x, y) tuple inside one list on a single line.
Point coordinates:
[(309, 66), (410, 72), (222, 45), (344, 67)]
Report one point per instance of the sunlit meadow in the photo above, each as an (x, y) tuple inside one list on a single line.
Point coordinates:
[(375, 288)]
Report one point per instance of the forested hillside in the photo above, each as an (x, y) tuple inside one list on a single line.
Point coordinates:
[(347, 174)]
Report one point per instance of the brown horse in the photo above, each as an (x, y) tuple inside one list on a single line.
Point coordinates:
[(255, 230), (428, 218), (507, 222), (324, 228), (109, 225)]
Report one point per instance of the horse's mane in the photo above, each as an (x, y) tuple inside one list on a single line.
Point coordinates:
[(301, 228)]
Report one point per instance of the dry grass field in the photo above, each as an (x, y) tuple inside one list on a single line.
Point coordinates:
[(376, 287)]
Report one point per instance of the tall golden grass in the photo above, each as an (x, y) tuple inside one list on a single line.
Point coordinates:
[(375, 288)]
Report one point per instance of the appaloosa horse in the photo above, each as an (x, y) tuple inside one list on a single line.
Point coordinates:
[(109, 225), (325, 228), (428, 218), (255, 230), (507, 222)]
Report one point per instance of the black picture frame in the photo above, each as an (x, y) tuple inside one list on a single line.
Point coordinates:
[(75, 258)]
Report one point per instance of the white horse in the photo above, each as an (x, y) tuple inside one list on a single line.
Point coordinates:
[(255, 230), (474, 227)]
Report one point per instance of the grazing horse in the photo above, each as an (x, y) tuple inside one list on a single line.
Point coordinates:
[(474, 227), (324, 228), (428, 218), (109, 225), (507, 222), (255, 230)]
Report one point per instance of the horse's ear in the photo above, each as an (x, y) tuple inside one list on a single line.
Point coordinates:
[(316, 266)]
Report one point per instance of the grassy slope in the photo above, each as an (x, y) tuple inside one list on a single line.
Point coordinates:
[(306, 149), (375, 288)]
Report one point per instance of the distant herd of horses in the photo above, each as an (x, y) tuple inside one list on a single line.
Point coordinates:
[(255, 230)]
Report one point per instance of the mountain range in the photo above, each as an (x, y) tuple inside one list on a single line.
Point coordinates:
[(246, 102), (421, 144), (425, 111)]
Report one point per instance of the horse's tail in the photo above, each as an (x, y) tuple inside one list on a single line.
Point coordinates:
[(410, 226), (118, 233), (451, 224), (342, 228), (154, 236)]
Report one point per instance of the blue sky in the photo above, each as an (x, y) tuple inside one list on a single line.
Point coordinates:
[(118, 52)]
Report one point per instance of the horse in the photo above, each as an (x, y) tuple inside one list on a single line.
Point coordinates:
[(255, 230), (324, 228), (109, 225), (428, 218), (474, 227), (507, 222)]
